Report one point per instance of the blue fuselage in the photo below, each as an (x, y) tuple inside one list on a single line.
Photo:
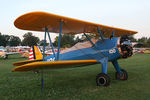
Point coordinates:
[(107, 48)]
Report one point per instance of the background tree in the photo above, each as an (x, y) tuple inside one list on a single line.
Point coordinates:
[(14, 41), (148, 42), (29, 39), (132, 38), (1, 38), (66, 41), (4, 40), (143, 41), (41, 43)]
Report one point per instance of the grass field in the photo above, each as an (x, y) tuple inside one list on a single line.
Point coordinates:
[(76, 83)]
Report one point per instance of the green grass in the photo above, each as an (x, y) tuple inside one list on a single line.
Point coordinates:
[(76, 83)]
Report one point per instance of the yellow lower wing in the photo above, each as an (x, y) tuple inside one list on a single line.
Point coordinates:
[(26, 62), (52, 65)]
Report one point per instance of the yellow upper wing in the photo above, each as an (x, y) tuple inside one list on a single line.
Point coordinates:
[(34, 66), (37, 21)]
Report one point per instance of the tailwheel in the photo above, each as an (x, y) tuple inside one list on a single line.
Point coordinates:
[(102, 79), (6, 57), (36, 72), (122, 76)]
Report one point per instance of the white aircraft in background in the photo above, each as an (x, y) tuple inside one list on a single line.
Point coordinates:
[(4, 52)]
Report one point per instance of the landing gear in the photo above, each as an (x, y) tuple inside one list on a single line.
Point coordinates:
[(36, 72), (102, 79), (123, 75), (6, 57)]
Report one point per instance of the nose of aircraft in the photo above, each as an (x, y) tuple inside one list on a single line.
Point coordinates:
[(126, 47)]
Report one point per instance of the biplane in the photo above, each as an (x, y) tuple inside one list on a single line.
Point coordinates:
[(112, 44)]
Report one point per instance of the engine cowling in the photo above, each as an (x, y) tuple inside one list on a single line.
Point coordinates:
[(125, 46)]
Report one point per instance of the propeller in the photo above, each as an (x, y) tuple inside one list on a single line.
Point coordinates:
[(126, 46)]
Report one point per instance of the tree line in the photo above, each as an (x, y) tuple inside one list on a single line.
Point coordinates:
[(141, 42), (66, 40), (29, 40), (11, 40), (70, 40)]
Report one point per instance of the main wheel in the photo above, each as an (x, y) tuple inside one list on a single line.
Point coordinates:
[(122, 76), (102, 79)]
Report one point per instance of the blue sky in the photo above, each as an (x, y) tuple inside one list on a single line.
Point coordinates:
[(127, 14)]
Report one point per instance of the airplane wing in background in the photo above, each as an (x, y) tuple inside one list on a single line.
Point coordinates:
[(11, 53)]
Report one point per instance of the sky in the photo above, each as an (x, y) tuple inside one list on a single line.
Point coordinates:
[(126, 14)]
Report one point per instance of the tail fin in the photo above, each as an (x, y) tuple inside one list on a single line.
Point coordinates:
[(31, 54), (35, 53)]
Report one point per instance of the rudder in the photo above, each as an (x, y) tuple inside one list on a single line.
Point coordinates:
[(35, 53)]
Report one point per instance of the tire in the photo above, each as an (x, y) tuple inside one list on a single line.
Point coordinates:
[(102, 80), (124, 75)]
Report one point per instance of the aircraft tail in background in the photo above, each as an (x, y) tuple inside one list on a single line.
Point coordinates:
[(35, 53)]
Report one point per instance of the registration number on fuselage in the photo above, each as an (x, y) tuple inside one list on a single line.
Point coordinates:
[(51, 59), (112, 51)]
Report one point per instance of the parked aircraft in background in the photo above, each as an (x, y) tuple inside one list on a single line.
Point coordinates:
[(5, 52)]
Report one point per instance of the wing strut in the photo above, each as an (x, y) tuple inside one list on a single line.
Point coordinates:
[(113, 33), (100, 32), (50, 41), (59, 40), (89, 39), (44, 46), (42, 79)]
